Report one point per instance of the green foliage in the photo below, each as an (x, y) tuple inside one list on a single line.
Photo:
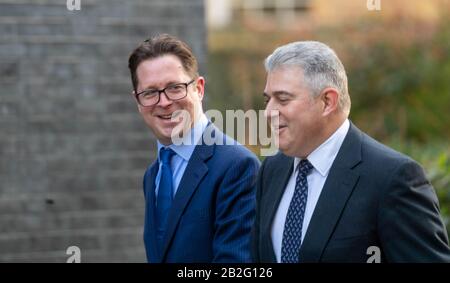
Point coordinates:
[(235, 80), (403, 89)]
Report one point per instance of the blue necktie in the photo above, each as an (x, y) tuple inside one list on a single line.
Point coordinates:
[(164, 198), (292, 234)]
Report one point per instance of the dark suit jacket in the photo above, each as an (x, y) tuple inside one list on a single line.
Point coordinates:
[(213, 210), (373, 196)]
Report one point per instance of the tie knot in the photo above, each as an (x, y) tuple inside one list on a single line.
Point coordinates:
[(304, 167), (165, 155)]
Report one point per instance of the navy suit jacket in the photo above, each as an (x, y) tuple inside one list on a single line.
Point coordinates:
[(373, 196), (213, 209)]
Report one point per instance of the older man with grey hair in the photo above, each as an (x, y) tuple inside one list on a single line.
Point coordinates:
[(334, 194)]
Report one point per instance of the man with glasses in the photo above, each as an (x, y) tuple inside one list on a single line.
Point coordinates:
[(199, 195)]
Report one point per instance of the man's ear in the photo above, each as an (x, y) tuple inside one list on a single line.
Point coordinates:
[(330, 99), (200, 86), (133, 94)]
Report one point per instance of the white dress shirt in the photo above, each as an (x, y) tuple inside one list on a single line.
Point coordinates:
[(321, 158)]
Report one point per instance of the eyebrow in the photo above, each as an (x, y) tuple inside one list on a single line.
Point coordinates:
[(168, 84), (278, 93)]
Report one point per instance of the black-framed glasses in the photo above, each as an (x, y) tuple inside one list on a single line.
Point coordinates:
[(151, 96)]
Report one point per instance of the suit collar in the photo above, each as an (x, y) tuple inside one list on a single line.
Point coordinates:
[(350, 153), (337, 189), (196, 169), (322, 157), (277, 186), (149, 231)]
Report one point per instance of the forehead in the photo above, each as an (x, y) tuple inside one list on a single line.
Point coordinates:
[(160, 71), (284, 78)]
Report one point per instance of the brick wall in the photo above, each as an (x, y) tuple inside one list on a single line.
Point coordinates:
[(73, 147)]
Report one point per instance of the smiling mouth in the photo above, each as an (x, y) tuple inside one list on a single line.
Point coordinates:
[(165, 117), (174, 117), (279, 127)]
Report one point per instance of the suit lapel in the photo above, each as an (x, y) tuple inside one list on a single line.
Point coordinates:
[(335, 193), (194, 173), (275, 192), (150, 237)]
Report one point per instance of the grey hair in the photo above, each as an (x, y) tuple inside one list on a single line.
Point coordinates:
[(320, 65)]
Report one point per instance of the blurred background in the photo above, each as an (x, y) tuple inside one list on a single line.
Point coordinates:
[(397, 60), (73, 148)]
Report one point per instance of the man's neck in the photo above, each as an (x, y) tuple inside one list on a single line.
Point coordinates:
[(330, 126)]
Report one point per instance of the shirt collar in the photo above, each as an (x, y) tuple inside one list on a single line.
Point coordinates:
[(323, 156), (186, 148)]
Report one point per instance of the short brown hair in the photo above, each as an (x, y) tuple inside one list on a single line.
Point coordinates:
[(160, 45)]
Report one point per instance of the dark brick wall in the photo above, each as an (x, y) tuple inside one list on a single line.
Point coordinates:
[(73, 147)]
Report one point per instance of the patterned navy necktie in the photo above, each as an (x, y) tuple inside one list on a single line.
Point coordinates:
[(292, 234), (165, 191)]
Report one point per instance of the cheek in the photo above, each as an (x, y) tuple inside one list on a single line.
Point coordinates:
[(297, 124), (146, 113), (143, 109), (194, 98), (190, 104)]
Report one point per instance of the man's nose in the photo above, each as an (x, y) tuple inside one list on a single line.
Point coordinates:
[(270, 110)]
